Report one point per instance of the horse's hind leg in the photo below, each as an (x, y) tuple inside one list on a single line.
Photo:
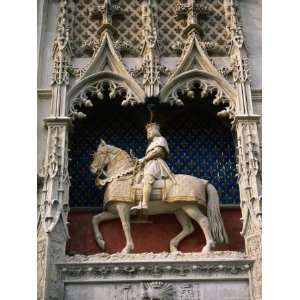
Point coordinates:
[(187, 229), (195, 213), (97, 219), (124, 214)]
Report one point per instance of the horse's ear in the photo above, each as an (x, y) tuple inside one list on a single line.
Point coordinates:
[(103, 142)]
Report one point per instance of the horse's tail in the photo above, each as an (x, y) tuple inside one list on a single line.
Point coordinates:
[(214, 215)]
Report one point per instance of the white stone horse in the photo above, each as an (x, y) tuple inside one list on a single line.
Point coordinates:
[(118, 167)]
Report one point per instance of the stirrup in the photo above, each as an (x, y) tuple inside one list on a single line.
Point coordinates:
[(136, 207), (139, 207)]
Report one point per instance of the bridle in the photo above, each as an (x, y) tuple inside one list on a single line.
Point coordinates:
[(101, 171), (118, 176)]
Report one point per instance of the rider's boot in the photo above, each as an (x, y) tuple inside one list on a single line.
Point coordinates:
[(143, 205), (146, 195)]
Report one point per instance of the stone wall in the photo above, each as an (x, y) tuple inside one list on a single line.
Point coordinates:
[(81, 230), (63, 276), (251, 17)]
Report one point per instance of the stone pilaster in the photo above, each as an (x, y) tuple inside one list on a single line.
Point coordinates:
[(53, 205), (247, 166), (248, 149), (51, 249)]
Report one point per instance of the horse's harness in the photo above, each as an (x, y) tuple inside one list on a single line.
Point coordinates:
[(119, 176)]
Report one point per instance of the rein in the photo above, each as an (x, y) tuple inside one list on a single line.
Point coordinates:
[(120, 175)]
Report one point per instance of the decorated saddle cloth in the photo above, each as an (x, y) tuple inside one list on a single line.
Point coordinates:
[(187, 189)]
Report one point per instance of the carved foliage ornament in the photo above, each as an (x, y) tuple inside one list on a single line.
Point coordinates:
[(183, 9), (98, 90), (248, 150), (106, 11), (56, 178), (109, 270), (62, 52), (247, 170), (190, 88), (240, 69), (234, 29), (209, 46)]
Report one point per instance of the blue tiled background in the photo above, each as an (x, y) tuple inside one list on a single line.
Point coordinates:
[(200, 145)]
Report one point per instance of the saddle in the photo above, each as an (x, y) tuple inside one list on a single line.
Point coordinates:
[(158, 184), (187, 189), (159, 190)]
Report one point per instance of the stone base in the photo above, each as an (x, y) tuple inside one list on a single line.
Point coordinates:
[(163, 290), (215, 276)]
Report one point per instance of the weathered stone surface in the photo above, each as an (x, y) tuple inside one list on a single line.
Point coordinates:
[(163, 275), (228, 78), (178, 290), (163, 256)]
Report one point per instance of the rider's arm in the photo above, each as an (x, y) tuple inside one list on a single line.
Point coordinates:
[(157, 152)]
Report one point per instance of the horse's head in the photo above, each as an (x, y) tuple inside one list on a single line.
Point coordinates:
[(104, 158)]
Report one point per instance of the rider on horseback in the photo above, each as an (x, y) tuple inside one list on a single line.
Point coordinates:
[(153, 165)]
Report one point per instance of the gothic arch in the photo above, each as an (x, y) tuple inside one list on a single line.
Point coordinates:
[(95, 84), (210, 84)]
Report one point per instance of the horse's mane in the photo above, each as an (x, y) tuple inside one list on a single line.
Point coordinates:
[(115, 150)]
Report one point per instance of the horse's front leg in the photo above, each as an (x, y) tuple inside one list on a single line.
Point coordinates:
[(124, 214), (97, 219)]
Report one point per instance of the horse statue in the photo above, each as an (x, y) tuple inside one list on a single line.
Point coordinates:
[(116, 169)]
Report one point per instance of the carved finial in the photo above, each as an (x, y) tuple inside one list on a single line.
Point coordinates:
[(105, 13), (62, 52), (150, 50), (235, 29), (191, 9)]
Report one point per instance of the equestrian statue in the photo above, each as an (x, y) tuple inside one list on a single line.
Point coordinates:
[(147, 186)]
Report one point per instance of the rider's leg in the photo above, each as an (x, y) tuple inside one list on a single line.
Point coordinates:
[(147, 188), (148, 181)]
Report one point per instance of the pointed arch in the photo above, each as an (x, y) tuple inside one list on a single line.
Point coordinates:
[(196, 66), (105, 69), (210, 84), (193, 52)]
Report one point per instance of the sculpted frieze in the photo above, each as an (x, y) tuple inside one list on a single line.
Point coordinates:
[(140, 266)]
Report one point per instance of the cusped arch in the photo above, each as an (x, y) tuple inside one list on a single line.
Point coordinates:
[(210, 84), (115, 83)]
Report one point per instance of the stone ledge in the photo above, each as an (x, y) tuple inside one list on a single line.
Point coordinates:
[(219, 265), (163, 257)]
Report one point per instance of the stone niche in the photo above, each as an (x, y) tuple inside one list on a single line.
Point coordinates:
[(164, 276)]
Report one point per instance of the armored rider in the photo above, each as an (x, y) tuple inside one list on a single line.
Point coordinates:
[(153, 165)]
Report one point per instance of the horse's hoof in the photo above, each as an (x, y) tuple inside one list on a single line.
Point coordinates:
[(208, 247), (127, 249), (176, 252), (101, 243)]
